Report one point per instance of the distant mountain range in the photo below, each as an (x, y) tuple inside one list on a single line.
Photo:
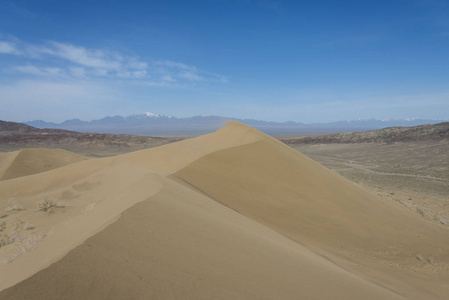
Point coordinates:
[(154, 124)]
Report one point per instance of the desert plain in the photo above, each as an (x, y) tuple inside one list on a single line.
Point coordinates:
[(235, 214)]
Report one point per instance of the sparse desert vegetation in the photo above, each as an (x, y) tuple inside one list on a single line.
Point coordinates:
[(14, 205), (48, 206), (4, 239), (22, 243), (26, 243), (20, 237)]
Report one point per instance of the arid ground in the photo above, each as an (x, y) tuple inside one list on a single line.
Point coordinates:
[(408, 165)]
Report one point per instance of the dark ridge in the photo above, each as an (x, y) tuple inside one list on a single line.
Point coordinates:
[(435, 132), (15, 127), (12, 133)]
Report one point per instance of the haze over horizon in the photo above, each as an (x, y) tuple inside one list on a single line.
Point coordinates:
[(151, 115), (263, 59)]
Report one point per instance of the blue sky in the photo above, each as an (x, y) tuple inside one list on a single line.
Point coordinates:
[(305, 61)]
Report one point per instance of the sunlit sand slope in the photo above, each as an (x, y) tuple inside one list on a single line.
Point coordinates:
[(179, 244), (31, 161)]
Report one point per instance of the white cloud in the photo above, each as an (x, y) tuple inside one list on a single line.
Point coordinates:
[(160, 83), (63, 59), (180, 71), (33, 70), (168, 78), (8, 48), (77, 71), (190, 75), (139, 74), (93, 61), (173, 64), (136, 64), (100, 72), (85, 57)]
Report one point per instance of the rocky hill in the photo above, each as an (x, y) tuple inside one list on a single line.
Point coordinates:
[(12, 133), (8, 127), (435, 132)]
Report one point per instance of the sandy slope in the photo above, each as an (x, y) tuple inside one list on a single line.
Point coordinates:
[(289, 229), (274, 185), (86, 191), (35, 160), (181, 245), (6, 159)]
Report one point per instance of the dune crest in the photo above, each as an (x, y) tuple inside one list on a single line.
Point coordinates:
[(232, 214)]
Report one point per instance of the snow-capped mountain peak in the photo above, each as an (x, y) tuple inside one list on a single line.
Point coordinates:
[(149, 115)]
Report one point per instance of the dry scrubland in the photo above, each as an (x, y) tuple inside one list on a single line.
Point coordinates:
[(234, 214), (408, 165)]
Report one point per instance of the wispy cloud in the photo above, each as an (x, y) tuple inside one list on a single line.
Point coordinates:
[(33, 70), (8, 48), (172, 64), (86, 57), (55, 81), (193, 76), (181, 72), (63, 59)]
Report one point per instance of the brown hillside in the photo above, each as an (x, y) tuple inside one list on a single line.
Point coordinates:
[(436, 132)]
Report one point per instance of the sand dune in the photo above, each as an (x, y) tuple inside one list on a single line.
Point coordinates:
[(36, 160), (233, 214), (179, 245), (288, 192)]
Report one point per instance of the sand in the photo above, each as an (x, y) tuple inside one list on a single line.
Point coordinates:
[(234, 214), (34, 160)]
